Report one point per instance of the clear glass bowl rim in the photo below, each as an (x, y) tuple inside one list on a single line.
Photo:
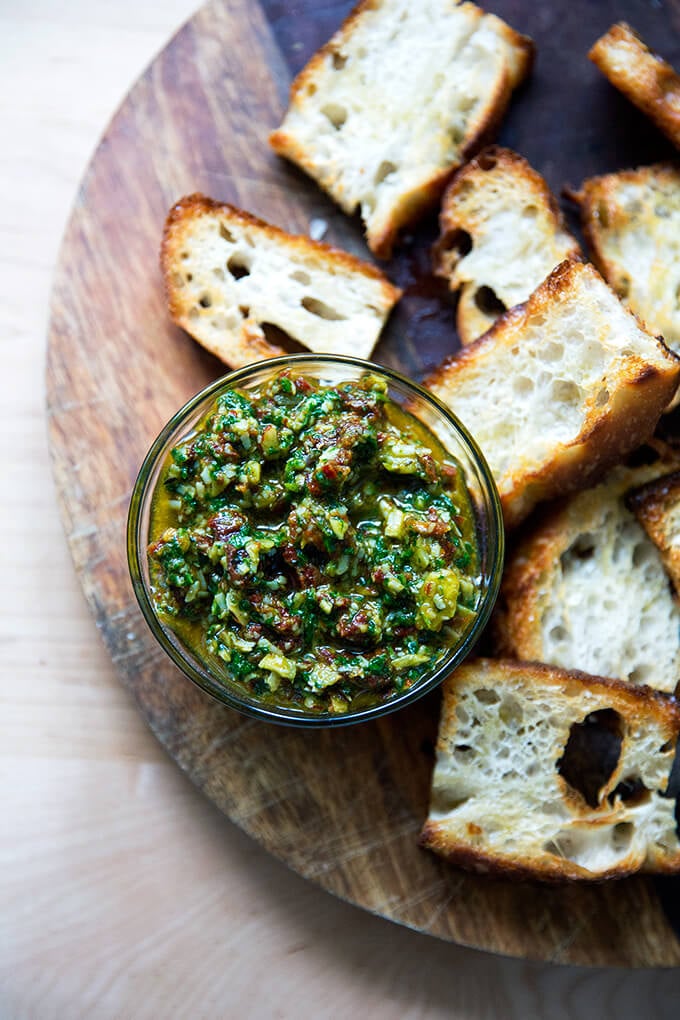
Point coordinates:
[(490, 524)]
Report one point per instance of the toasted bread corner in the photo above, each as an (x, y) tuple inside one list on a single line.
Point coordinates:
[(631, 220), (645, 78), (656, 505)]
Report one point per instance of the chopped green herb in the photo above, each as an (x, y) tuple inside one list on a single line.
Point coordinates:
[(315, 543)]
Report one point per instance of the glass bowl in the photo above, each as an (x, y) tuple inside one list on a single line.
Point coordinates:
[(329, 369)]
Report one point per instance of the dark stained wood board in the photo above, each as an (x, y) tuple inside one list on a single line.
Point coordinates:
[(342, 808)]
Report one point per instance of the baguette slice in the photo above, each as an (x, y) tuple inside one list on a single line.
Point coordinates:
[(587, 589), (656, 506), (228, 274), (559, 389), (399, 97), (502, 232), (631, 221), (645, 79), (547, 774)]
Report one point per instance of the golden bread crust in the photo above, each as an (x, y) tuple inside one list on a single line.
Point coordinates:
[(645, 78), (656, 506)]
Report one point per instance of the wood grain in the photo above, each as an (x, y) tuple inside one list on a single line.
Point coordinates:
[(341, 808)]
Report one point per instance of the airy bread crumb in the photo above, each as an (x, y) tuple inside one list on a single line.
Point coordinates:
[(632, 224), (559, 389), (587, 589), (399, 97), (502, 232)]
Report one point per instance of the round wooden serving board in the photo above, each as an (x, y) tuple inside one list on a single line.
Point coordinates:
[(343, 808)]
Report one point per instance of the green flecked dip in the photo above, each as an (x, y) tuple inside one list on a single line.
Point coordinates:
[(313, 544)]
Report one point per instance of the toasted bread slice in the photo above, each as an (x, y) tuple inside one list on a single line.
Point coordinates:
[(587, 589), (543, 773), (399, 97), (632, 224), (559, 389), (502, 232), (228, 275), (656, 506), (645, 79)]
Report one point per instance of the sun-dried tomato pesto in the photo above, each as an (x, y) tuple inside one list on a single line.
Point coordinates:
[(316, 541)]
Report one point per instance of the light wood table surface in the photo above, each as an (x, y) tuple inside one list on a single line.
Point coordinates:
[(123, 893)]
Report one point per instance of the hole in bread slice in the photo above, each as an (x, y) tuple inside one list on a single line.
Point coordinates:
[(578, 552), (488, 303), (464, 752), (643, 673), (384, 170), (279, 338), (622, 834), (487, 161), (631, 791), (487, 696), (237, 266), (320, 308), (592, 753), (594, 846), (335, 113), (457, 241), (445, 800), (643, 553)]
